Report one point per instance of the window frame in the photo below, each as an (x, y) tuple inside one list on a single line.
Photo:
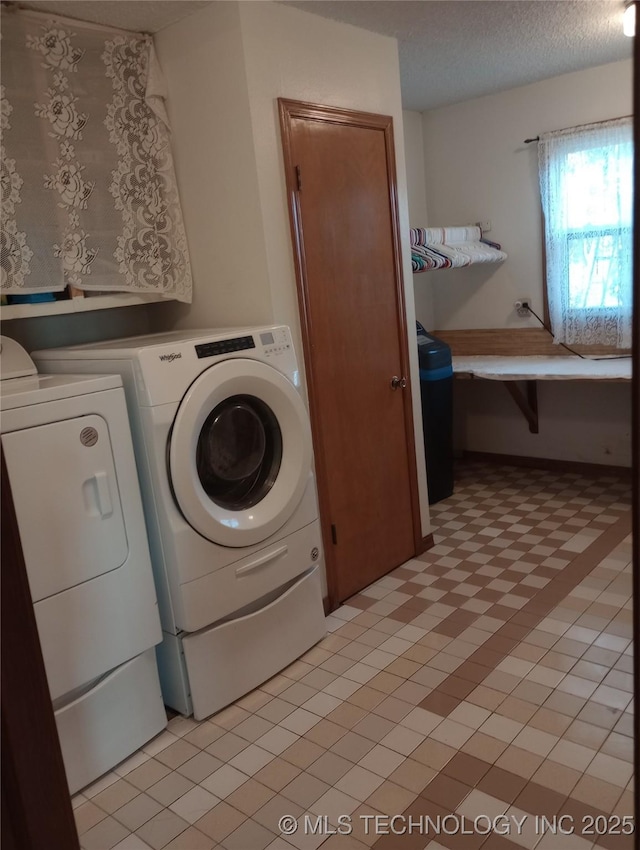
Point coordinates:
[(593, 348)]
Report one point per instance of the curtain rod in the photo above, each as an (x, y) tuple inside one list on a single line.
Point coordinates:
[(579, 126), (15, 8)]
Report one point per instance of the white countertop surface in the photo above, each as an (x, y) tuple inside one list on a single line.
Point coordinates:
[(534, 367)]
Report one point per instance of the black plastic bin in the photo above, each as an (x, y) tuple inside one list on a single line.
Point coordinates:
[(436, 390)]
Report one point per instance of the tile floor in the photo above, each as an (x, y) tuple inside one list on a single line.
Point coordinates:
[(455, 703)]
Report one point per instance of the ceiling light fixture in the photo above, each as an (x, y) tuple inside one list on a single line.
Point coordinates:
[(629, 19)]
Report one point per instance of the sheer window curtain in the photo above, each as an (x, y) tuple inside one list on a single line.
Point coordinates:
[(586, 187), (89, 194)]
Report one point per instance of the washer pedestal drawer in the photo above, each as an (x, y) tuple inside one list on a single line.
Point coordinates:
[(232, 658), (111, 721)]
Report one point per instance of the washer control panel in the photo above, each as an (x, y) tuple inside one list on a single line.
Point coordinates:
[(275, 343), (224, 346)]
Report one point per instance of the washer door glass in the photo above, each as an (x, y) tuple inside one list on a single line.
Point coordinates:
[(239, 452)]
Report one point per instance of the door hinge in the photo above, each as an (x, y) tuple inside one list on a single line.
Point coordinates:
[(334, 535), (298, 178)]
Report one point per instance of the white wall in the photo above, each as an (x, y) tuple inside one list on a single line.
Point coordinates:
[(414, 154), (78, 328), (226, 66), (202, 57), (478, 168), (417, 199), (585, 421)]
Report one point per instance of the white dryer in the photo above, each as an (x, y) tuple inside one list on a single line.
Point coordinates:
[(224, 453), (69, 456)]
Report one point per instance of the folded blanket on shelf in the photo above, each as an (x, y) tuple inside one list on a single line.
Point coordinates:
[(451, 247)]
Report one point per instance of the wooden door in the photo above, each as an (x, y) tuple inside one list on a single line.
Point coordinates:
[(340, 168)]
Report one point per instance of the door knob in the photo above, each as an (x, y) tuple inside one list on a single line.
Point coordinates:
[(398, 382)]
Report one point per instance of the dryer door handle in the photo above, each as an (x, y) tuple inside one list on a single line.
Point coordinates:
[(103, 494), (261, 562)]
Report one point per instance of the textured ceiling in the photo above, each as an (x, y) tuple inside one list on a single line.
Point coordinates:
[(450, 50), (136, 15), (454, 50)]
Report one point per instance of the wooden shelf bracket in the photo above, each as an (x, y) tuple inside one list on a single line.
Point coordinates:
[(528, 403)]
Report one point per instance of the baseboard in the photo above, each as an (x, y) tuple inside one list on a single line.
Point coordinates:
[(425, 544), (547, 463)]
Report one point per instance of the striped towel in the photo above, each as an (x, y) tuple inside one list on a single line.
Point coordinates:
[(450, 247)]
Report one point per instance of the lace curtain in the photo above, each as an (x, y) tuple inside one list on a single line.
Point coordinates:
[(586, 185), (89, 195)]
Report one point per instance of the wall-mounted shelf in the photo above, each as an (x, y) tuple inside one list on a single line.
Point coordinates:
[(76, 305)]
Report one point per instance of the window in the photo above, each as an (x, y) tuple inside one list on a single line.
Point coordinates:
[(586, 186)]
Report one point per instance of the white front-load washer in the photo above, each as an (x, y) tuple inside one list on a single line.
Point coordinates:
[(69, 456), (224, 453)]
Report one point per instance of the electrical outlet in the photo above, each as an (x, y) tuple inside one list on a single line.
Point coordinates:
[(521, 307), (485, 226)]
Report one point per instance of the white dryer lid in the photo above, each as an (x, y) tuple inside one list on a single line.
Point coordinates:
[(38, 389), (14, 360), (22, 385)]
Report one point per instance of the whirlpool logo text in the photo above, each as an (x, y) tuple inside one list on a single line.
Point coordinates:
[(171, 357)]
